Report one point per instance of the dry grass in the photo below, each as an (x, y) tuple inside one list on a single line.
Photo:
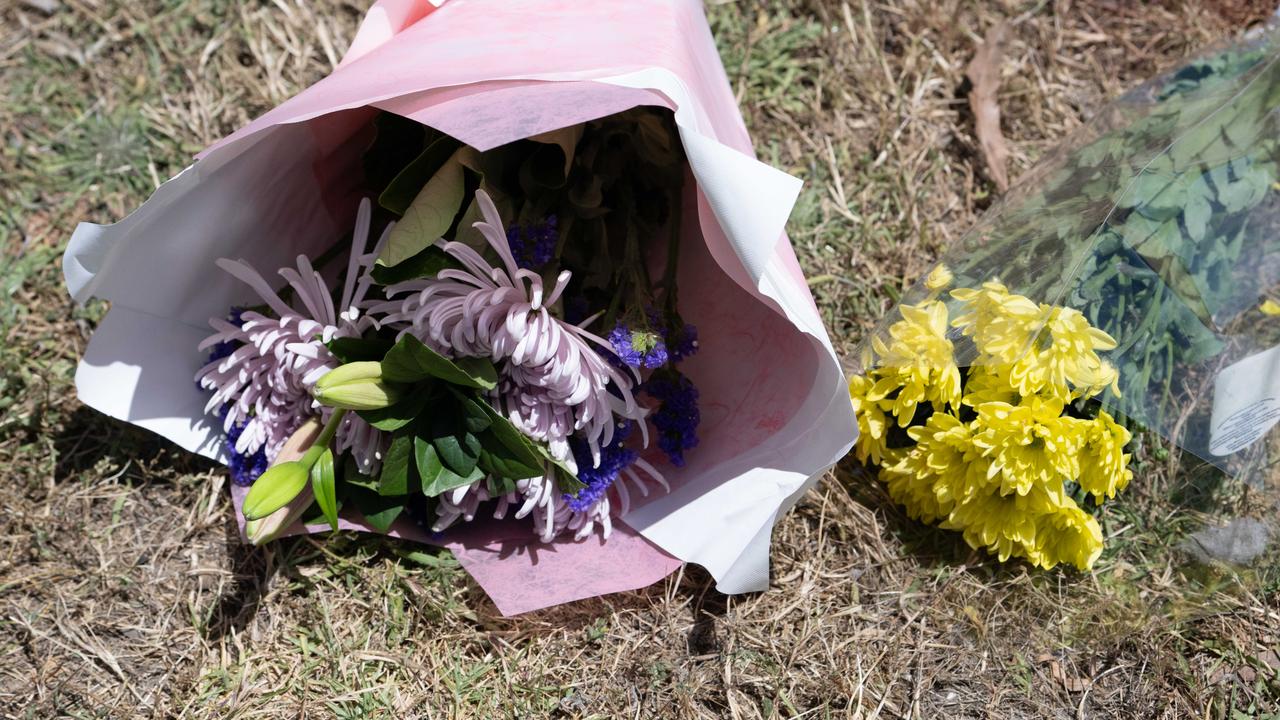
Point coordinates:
[(123, 589)]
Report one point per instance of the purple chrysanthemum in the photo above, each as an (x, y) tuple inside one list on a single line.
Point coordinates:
[(245, 468), (261, 388), (555, 381), (534, 245), (677, 415)]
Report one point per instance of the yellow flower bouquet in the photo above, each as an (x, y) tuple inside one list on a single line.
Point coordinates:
[(975, 410)]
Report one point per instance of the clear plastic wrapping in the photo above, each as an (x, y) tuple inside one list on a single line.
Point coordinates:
[(1160, 223)]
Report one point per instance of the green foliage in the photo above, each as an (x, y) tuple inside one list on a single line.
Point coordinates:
[(411, 361), (324, 487)]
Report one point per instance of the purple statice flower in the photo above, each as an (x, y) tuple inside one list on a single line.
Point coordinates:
[(534, 245), (680, 338), (638, 348), (614, 458), (677, 415), (682, 342), (245, 468)]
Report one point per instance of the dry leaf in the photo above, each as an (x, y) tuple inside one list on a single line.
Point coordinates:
[(1072, 684), (984, 74)]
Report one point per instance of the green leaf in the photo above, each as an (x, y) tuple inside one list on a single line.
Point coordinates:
[(1197, 214), (436, 477), (566, 480), (411, 361), (395, 466), (349, 350), (379, 511), (352, 477), (387, 156), (429, 216), (314, 515), (274, 489), (426, 264), (521, 448), (499, 486), (427, 460), (474, 416), (1144, 188), (400, 192), (459, 451), (324, 485), (390, 419), (497, 460), (480, 372)]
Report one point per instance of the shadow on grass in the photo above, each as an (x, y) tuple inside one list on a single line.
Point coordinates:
[(87, 437), (251, 574), (930, 545), (90, 440)]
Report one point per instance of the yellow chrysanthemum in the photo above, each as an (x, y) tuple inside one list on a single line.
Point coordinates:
[(873, 426), (918, 364), (1067, 535), (1063, 355), (1000, 323), (989, 383), (1029, 444), (1092, 380), (939, 278), (1104, 465), (1005, 524), (913, 490), (1048, 349), (998, 475), (942, 468)]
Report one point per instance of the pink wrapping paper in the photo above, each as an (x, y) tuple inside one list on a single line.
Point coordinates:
[(490, 72), (499, 555)]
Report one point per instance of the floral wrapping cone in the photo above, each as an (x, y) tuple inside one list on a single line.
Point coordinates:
[(774, 413)]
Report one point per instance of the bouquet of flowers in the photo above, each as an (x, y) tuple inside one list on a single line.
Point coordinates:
[(469, 363), (1004, 448), (510, 279), (1124, 278)]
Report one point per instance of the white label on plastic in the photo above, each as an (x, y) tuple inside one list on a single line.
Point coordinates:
[(1246, 402)]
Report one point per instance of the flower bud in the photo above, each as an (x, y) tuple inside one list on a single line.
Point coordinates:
[(369, 370), (268, 528), (295, 448), (274, 489), (358, 395), (939, 279)]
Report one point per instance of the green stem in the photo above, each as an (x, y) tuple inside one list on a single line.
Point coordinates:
[(322, 441), (673, 248)]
